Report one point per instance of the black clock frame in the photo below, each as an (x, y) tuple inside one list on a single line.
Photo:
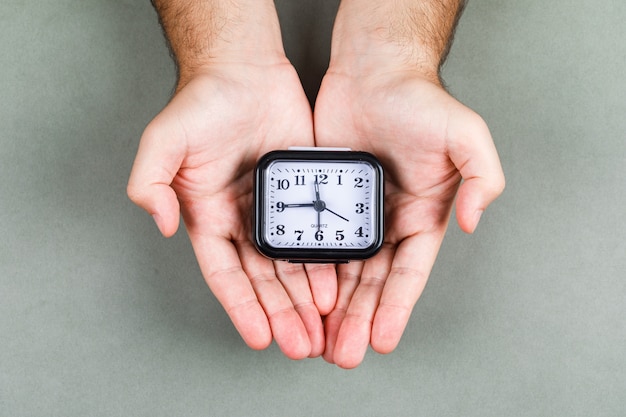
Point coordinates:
[(313, 254)]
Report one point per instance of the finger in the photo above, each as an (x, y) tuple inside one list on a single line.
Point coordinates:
[(409, 272), (158, 159), (287, 326), (222, 270), (348, 277), (323, 283), (356, 328), (295, 281), (473, 152)]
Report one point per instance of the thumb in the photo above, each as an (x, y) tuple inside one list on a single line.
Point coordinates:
[(158, 160), (473, 152)]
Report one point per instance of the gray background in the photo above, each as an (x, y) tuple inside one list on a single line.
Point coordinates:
[(100, 316)]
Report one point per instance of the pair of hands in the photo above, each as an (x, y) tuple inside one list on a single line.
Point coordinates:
[(197, 156)]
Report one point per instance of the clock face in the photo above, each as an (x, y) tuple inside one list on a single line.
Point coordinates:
[(328, 206)]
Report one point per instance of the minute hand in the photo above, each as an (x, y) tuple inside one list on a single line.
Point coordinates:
[(299, 205)]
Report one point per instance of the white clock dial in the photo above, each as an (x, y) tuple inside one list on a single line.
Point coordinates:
[(320, 204)]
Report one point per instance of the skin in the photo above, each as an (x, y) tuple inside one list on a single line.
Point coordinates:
[(382, 93), (237, 98)]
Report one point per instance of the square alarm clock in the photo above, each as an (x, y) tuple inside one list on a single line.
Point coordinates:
[(318, 205)]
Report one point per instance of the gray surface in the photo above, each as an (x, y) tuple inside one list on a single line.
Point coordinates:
[(100, 316)]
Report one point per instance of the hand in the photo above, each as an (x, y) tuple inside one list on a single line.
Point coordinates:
[(427, 142), (197, 157)]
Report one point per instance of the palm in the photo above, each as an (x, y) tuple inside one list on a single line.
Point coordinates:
[(404, 122), (412, 125), (228, 124), (203, 147)]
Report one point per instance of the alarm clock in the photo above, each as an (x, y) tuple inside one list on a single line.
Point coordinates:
[(318, 205)]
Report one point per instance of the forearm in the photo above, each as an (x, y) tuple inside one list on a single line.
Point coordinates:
[(415, 34), (202, 32)]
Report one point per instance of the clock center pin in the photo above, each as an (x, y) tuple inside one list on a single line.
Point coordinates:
[(319, 206)]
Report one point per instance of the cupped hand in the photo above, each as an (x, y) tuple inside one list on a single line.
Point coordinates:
[(428, 142), (196, 158)]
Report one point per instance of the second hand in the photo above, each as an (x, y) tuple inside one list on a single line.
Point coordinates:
[(338, 215)]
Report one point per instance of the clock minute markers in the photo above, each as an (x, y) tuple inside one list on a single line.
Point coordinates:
[(331, 186)]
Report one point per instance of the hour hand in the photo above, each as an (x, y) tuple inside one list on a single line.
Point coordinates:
[(317, 190)]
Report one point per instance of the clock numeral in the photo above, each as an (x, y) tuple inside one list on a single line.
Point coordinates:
[(280, 207), (300, 180), (339, 235), (282, 184), (360, 208), (359, 232), (359, 182), (280, 230), (319, 235), (339, 180), (321, 179), (299, 233)]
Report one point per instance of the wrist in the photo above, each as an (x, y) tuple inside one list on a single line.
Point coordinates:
[(208, 33), (372, 37)]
